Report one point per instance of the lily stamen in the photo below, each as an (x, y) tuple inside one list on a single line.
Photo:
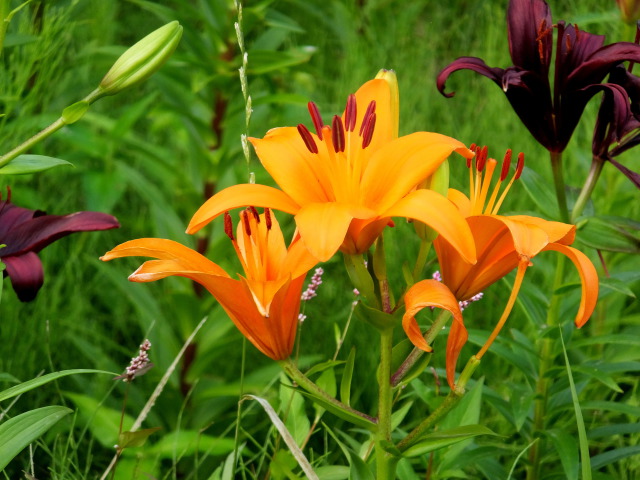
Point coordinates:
[(516, 176), (308, 140), (480, 181), (316, 118), (350, 113), (337, 134), (369, 127)]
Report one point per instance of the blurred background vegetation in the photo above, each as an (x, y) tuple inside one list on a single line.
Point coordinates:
[(152, 155)]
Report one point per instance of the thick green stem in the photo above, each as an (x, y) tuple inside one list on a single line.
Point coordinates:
[(445, 407), (297, 376), (542, 384), (558, 182), (385, 462), (587, 189), (416, 353)]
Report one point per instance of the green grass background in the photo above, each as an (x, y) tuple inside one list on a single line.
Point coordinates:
[(151, 155)]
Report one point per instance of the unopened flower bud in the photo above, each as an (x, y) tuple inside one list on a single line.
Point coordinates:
[(630, 10), (392, 80), (142, 59)]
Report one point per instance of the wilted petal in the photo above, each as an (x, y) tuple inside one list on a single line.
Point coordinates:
[(26, 274)]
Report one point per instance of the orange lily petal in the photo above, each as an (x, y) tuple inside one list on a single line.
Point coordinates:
[(398, 166), (557, 232), (173, 252), (323, 226), (300, 173), (440, 214), (431, 293), (588, 277), (529, 238), (495, 252), (241, 196), (461, 201)]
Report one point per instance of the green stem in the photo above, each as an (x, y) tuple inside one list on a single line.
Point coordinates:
[(385, 462), (38, 137), (542, 384), (445, 407), (297, 376), (587, 189), (425, 247), (558, 182), (416, 353)]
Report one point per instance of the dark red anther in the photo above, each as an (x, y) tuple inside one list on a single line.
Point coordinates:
[(473, 147), (520, 165), (255, 213), (307, 138), (337, 134), (228, 225), (371, 108), (481, 158), (367, 135), (316, 118), (351, 113), (506, 163), (247, 224), (267, 218)]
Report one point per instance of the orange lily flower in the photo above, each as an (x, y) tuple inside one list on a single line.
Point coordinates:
[(264, 304), (345, 182), (502, 244)]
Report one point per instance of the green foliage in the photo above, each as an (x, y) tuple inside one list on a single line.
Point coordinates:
[(154, 153)]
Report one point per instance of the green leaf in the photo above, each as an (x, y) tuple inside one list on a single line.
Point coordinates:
[(567, 448), (345, 383), (75, 112), (36, 382), (438, 440), (612, 456), (582, 431), (617, 286), (540, 191), (264, 61), (18, 432), (135, 439), (188, 443), (609, 233), (338, 412), (24, 164)]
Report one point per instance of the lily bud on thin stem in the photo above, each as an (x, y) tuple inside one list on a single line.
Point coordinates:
[(141, 60)]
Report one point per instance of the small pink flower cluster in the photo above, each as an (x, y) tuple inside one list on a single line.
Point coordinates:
[(464, 303), (140, 364), (312, 288)]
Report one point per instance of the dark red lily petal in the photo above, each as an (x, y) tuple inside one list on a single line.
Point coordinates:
[(530, 31), (11, 215), (599, 64), (37, 233), (612, 119), (468, 63), (26, 274), (630, 174)]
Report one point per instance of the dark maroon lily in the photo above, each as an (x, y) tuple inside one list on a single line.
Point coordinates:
[(581, 63), (25, 232), (618, 124)]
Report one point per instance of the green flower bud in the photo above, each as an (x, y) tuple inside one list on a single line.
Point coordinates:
[(630, 10), (141, 60)]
